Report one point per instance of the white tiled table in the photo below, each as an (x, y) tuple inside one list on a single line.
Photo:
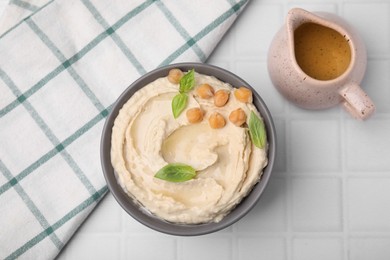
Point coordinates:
[(329, 195)]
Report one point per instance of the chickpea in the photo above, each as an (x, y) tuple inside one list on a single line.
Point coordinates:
[(174, 76), (216, 120), (237, 117), (243, 94), (205, 91), (221, 97), (194, 115)]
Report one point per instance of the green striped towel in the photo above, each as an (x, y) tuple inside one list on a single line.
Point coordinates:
[(62, 65)]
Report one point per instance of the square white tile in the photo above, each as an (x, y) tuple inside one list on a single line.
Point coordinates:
[(259, 247), (362, 248), (316, 204), (368, 204), (195, 248), (151, 248), (308, 248), (367, 145), (314, 146), (95, 247)]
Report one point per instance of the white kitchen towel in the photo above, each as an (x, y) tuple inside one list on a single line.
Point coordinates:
[(62, 65)]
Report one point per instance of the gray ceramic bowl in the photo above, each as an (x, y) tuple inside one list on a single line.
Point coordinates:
[(141, 214)]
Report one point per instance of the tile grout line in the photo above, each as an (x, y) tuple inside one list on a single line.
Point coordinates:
[(233, 239), (343, 186), (288, 177), (343, 168), (289, 193), (177, 257), (123, 232)]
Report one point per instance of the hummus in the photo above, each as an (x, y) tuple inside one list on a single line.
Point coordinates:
[(146, 137)]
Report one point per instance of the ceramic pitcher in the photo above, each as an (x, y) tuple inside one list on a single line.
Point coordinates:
[(311, 93)]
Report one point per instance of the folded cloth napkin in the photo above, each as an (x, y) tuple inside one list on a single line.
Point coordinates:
[(62, 65)]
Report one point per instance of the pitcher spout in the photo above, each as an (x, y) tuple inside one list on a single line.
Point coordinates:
[(295, 17)]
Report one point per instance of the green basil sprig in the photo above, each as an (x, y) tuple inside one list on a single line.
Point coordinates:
[(187, 82), (176, 172), (179, 102), (257, 131)]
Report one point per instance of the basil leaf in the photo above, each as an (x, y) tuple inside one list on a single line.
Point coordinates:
[(176, 172), (187, 82), (257, 131), (179, 103)]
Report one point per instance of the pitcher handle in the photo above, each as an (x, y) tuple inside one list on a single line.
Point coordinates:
[(357, 102)]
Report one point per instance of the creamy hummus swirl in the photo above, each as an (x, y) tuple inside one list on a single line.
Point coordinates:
[(146, 137)]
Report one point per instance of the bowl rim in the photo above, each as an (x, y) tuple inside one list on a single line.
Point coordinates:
[(139, 213)]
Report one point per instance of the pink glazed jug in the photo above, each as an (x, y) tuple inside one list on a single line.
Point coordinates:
[(299, 86)]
